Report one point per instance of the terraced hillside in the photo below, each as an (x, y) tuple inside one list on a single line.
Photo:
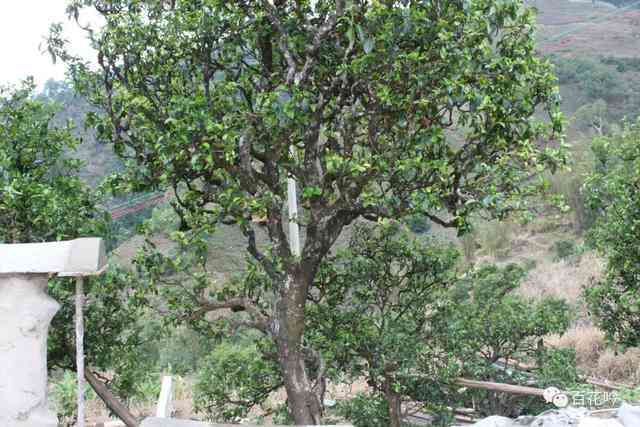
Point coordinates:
[(575, 28)]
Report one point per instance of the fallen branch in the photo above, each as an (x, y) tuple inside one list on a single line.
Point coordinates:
[(465, 419), (606, 385), (112, 402)]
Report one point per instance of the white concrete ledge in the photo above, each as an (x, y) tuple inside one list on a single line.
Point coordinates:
[(79, 257)]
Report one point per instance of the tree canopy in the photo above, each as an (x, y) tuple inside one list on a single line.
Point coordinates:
[(38, 182), (377, 109), (612, 192)]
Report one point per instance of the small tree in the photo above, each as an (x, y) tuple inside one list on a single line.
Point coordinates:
[(593, 116), (612, 191), (489, 328), (235, 378), (43, 199), (222, 101), (376, 300), (39, 183)]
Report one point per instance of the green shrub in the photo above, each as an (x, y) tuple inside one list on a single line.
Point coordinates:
[(557, 368), (163, 220), (593, 117), (486, 322), (64, 394), (365, 410), (596, 79), (612, 191), (147, 388), (233, 379), (379, 294), (623, 64), (566, 250)]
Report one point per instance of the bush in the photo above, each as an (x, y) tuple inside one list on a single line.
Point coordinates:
[(399, 314), (623, 64), (612, 191), (486, 322), (595, 79), (569, 187), (593, 117), (64, 394), (365, 410), (566, 250), (233, 379), (379, 294)]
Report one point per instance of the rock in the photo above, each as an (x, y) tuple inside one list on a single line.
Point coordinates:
[(599, 422), (629, 415), (566, 417), (172, 422), (495, 421)]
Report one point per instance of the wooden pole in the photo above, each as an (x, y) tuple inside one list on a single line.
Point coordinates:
[(505, 388), (80, 348)]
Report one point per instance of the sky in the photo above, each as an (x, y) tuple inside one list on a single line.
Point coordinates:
[(24, 25)]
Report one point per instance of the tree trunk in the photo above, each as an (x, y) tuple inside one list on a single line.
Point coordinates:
[(394, 403), (112, 402), (304, 404), (303, 401)]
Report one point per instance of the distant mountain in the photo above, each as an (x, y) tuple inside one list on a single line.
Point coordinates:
[(99, 158)]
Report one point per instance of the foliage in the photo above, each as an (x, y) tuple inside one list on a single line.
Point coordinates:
[(569, 186), (630, 395), (147, 388), (595, 79), (223, 101), (419, 224), (486, 324), (365, 410), (112, 336), (566, 250), (623, 64), (601, 79), (557, 368), (232, 380), (98, 159), (469, 245), (64, 394), (372, 319), (612, 191), (496, 238), (177, 350), (39, 186)]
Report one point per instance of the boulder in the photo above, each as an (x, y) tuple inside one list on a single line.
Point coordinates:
[(629, 415), (495, 421)]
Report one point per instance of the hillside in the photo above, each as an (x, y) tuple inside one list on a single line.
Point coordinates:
[(575, 28)]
